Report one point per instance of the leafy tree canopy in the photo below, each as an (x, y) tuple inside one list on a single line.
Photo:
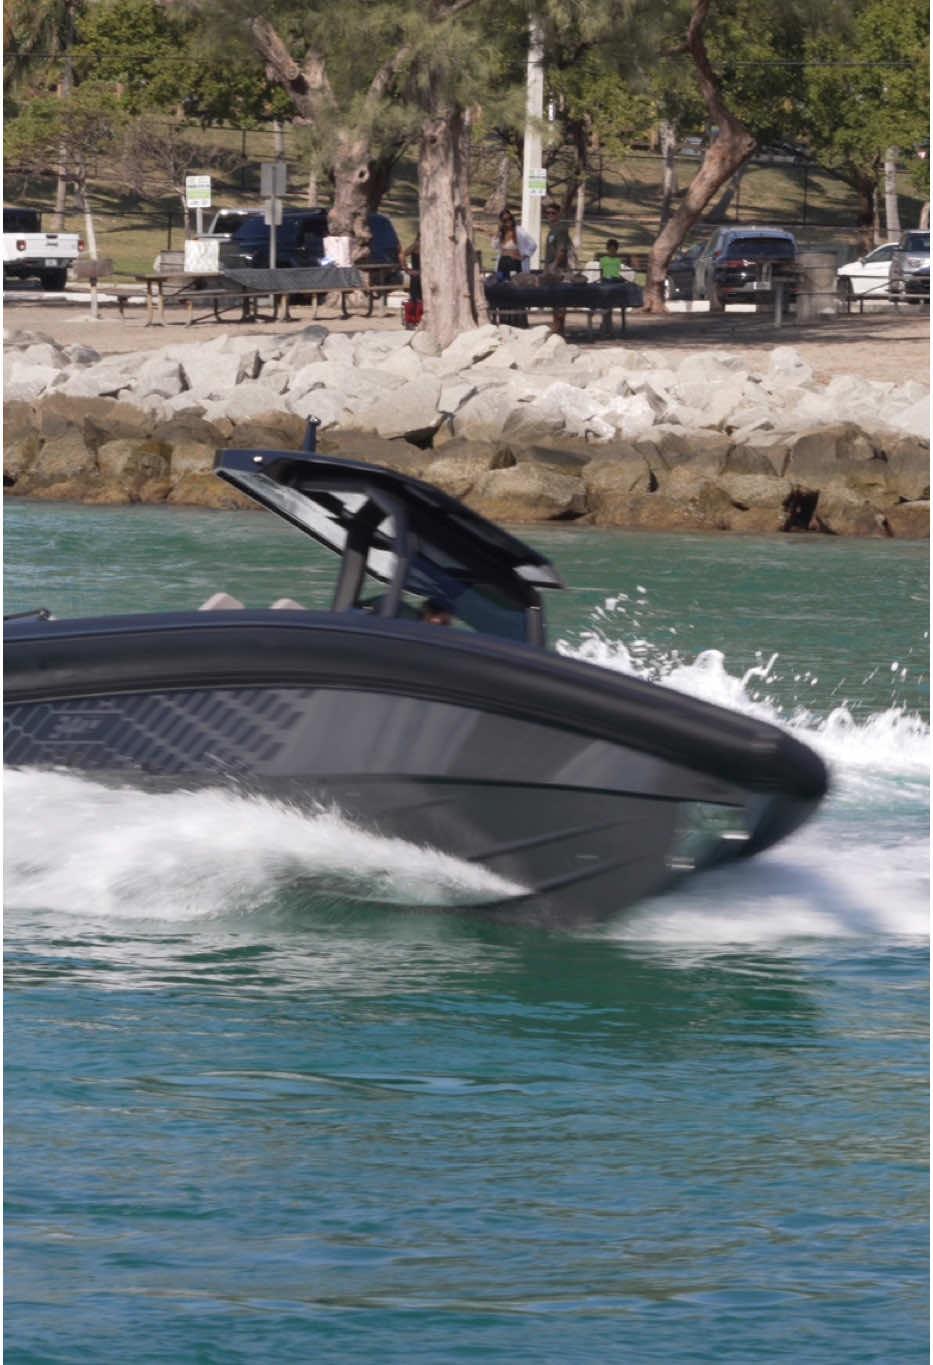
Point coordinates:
[(160, 58), (869, 90)]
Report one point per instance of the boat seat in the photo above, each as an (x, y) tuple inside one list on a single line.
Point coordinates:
[(221, 601)]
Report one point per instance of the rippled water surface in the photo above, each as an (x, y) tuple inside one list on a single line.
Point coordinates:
[(264, 1100)]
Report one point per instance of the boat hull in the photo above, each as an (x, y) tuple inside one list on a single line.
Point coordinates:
[(585, 790)]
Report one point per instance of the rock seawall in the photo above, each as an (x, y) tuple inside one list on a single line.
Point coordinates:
[(519, 424)]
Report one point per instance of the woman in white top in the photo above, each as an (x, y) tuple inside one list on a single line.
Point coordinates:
[(514, 245)]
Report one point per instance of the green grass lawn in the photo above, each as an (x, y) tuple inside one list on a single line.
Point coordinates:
[(622, 201)]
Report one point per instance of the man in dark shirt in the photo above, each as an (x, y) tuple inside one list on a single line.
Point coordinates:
[(557, 254)]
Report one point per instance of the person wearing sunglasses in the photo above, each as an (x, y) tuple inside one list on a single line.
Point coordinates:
[(514, 245)]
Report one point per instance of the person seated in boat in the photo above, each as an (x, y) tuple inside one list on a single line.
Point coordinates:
[(435, 612)]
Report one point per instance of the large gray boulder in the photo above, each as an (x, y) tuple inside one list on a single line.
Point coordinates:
[(612, 480), (462, 465), (409, 410), (527, 493), (132, 463), (909, 520), (827, 454)]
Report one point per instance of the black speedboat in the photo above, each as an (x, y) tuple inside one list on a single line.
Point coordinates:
[(585, 789)]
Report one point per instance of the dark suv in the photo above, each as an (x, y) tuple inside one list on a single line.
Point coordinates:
[(739, 264), (299, 241)]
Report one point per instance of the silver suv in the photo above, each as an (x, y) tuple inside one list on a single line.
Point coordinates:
[(910, 266)]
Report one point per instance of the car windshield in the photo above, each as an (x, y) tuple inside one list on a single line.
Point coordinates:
[(229, 222), (917, 241), (761, 248), (21, 220)]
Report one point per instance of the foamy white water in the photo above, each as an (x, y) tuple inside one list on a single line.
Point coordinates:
[(890, 743), (74, 845)]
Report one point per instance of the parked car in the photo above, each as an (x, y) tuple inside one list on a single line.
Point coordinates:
[(868, 276), (693, 146), (911, 256), (731, 266), (226, 222), (917, 285), (299, 241), (679, 282)]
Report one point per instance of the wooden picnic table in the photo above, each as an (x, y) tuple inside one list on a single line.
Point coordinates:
[(246, 288)]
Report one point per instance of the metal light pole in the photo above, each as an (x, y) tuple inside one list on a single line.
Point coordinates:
[(534, 113)]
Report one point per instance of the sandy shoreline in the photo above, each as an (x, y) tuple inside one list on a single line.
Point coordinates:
[(885, 346)]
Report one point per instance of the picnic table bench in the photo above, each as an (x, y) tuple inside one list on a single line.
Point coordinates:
[(247, 288), (504, 299)]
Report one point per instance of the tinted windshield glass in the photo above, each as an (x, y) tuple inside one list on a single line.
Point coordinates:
[(20, 220), (917, 241), (760, 249), (228, 222)]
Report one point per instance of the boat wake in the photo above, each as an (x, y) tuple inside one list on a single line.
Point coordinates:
[(894, 742), (77, 846)]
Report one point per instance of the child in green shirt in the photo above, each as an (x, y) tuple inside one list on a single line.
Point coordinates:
[(610, 265)]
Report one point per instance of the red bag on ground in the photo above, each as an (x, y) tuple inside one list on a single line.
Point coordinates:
[(413, 313)]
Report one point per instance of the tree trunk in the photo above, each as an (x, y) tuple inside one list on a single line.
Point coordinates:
[(892, 218), (89, 233), (499, 198), (866, 185), (667, 137), (578, 219), (732, 148), (731, 192), (349, 214), (453, 292)]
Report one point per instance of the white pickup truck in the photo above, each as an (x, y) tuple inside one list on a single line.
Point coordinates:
[(28, 252)]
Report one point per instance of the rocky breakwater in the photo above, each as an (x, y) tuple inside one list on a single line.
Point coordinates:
[(519, 424)]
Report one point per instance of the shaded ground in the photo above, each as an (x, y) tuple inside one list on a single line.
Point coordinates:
[(884, 344)]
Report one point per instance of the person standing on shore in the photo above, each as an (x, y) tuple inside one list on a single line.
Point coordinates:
[(558, 254)]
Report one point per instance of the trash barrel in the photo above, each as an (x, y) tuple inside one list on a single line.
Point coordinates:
[(816, 284)]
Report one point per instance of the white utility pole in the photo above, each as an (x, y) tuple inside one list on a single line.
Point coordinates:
[(534, 113)]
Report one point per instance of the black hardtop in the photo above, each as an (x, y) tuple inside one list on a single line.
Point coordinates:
[(402, 532)]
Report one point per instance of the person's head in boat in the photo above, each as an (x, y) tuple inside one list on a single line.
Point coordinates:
[(435, 612)]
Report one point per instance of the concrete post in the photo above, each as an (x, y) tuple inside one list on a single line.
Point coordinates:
[(816, 287), (534, 113)]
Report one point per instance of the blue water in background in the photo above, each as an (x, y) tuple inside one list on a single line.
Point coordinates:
[(252, 1115)]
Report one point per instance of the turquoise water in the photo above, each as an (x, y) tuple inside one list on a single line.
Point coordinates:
[(250, 1116)]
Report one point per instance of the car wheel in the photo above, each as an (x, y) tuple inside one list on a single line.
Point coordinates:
[(54, 280)]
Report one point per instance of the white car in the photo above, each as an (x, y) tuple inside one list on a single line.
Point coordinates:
[(868, 276)]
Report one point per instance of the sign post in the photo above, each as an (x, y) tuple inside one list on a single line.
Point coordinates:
[(198, 197), (273, 182)]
